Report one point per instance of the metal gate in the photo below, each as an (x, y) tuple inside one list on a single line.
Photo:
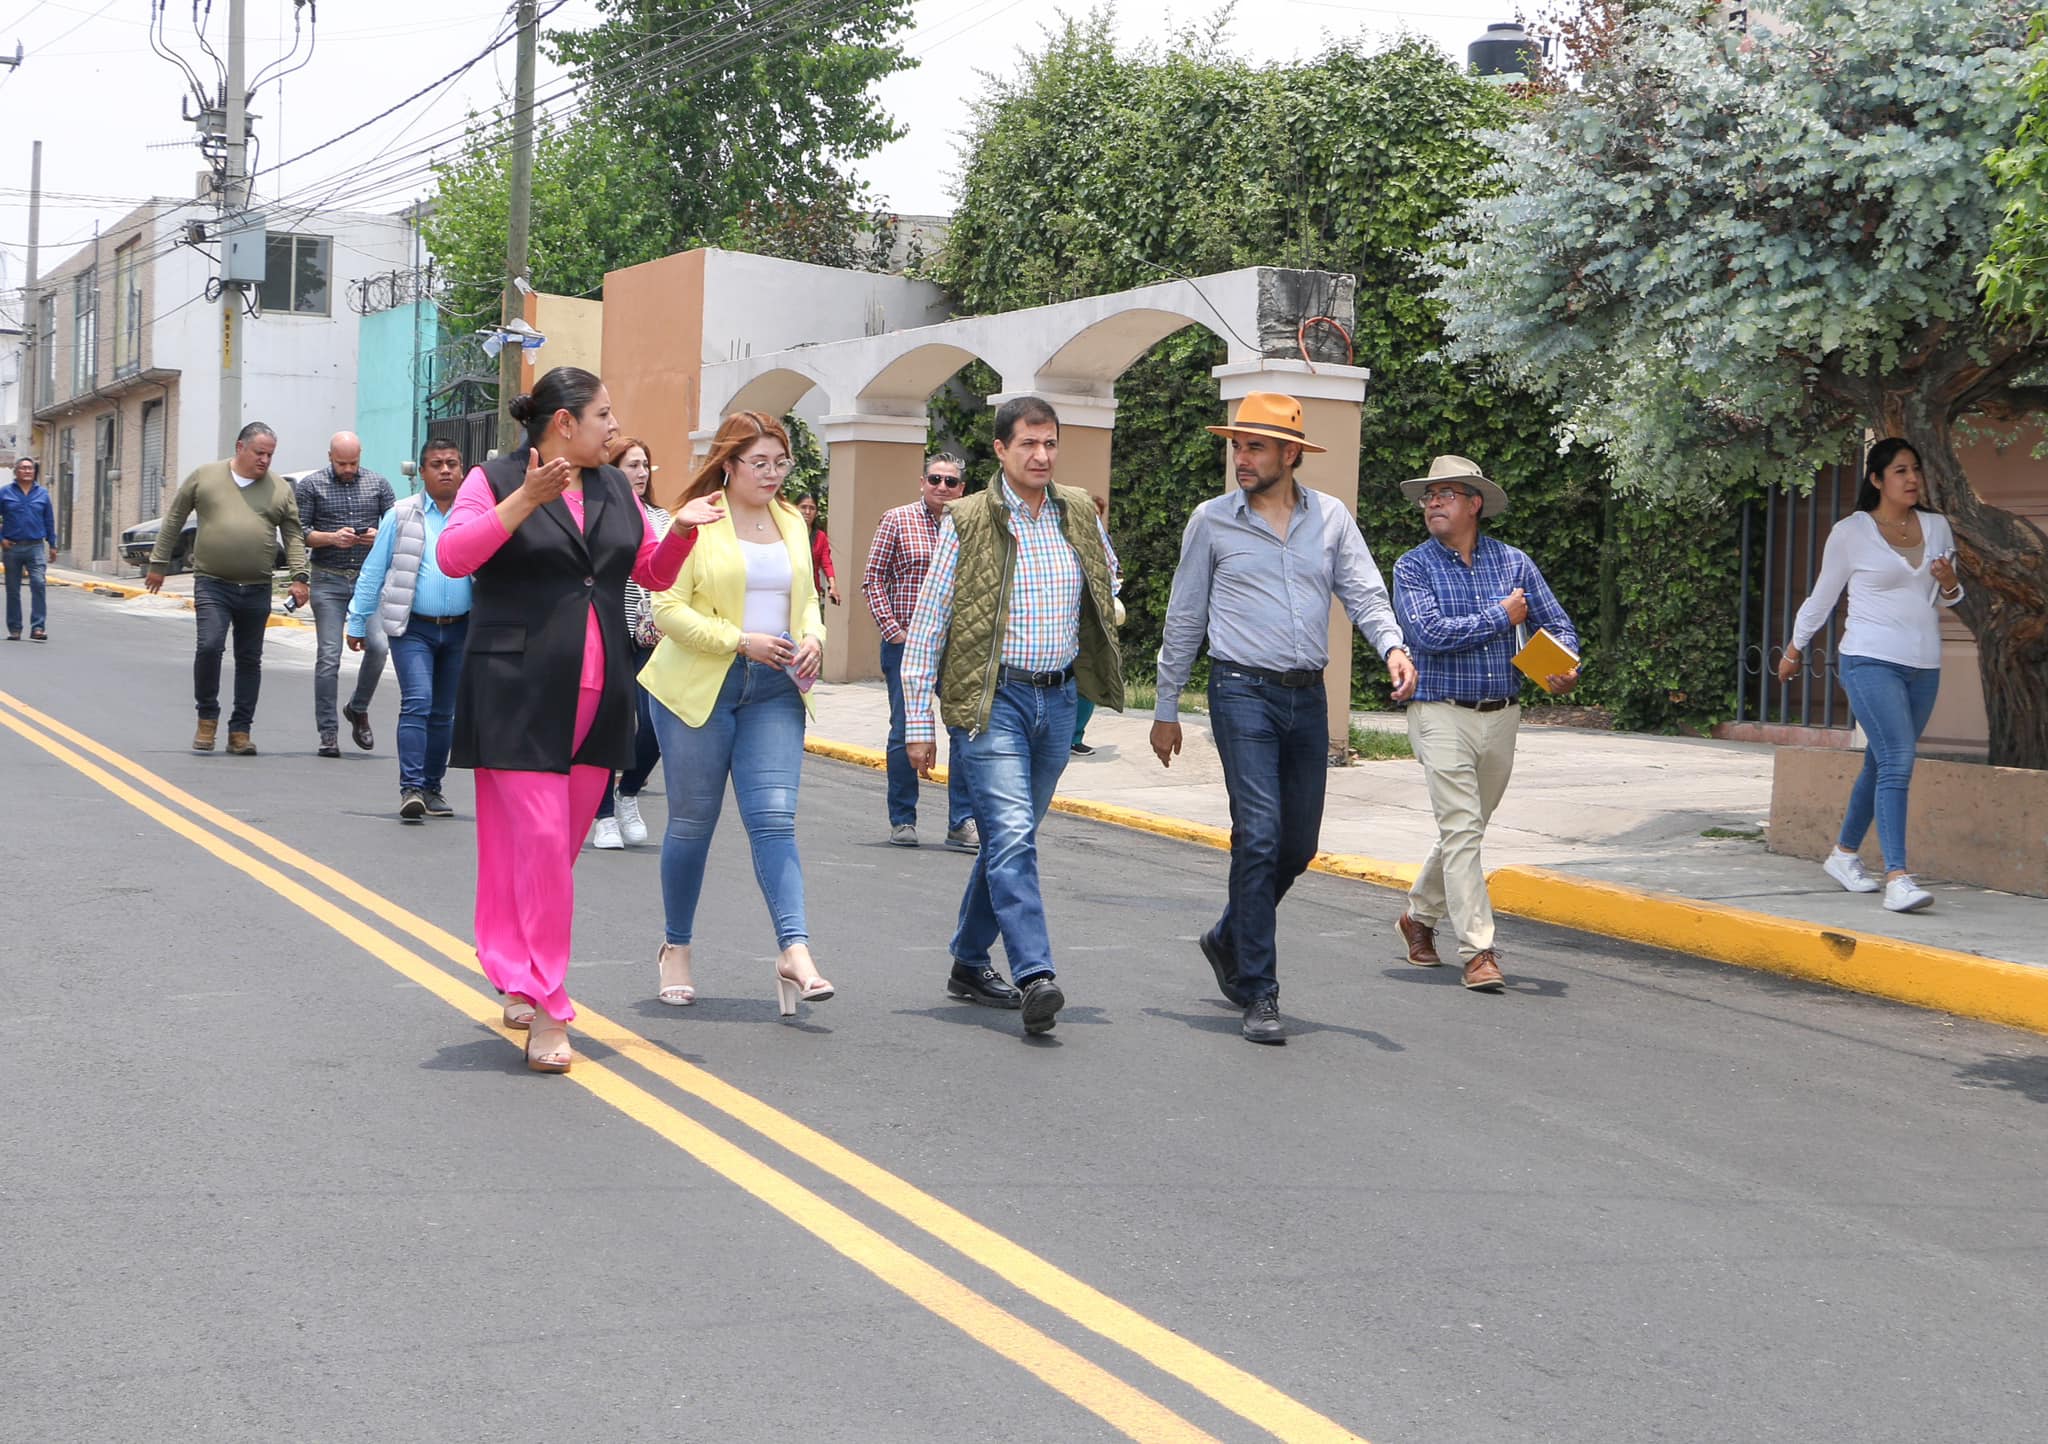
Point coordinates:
[(1782, 536), (152, 460), (103, 437)]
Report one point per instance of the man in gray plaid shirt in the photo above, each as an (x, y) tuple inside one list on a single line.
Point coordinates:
[(341, 506)]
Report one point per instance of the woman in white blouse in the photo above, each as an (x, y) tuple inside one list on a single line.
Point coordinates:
[(1897, 562)]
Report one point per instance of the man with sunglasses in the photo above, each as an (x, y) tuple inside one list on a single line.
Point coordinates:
[(897, 561)]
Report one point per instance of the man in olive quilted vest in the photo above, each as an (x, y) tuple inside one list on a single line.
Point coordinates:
[(1015, 620)]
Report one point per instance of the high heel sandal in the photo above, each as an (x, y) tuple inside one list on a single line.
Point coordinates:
[(790, 991), (518, 1013), (676, 995), (551, 1060)]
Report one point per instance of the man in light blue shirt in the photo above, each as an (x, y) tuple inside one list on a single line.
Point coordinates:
[(402, 591), (1258, 568)]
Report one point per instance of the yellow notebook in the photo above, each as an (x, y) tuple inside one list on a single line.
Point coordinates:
[(1543, 656)]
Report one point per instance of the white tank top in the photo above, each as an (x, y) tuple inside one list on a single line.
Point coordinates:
[(768, 582)]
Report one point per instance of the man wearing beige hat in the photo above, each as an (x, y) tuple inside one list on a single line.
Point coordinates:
[(1464, 599), (1257, 570)]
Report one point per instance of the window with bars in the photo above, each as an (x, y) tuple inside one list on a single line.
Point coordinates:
[(85, 331), (127, 310), (295, 273)]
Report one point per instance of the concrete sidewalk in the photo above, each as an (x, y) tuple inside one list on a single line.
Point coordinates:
[(1623, 809)]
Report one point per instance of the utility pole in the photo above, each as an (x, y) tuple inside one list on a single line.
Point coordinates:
[(234, 202), (31, 306), (513, 353)]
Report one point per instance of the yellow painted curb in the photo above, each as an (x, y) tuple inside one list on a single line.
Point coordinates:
[(1927, 977), (1965, 984)]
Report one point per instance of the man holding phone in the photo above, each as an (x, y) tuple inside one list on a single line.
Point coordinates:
[(341, 506)]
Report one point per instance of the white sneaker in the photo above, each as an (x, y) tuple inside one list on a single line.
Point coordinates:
[(1847, 869), (1903, 895), (604, 833), (631, 824)]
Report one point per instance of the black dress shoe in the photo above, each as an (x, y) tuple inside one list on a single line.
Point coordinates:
[(359, 728), (329, 747), (1225, 969), (1262, 1022), (1042, 1003), (983, 985)]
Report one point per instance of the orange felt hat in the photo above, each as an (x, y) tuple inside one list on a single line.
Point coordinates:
[(1268, 413)]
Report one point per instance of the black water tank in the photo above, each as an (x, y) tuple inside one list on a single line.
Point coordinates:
[(1504, 49)]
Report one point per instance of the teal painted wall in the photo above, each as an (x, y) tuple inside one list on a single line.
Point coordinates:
[(387, 399)]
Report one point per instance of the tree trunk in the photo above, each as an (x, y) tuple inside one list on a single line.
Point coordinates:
[(2002, 562)]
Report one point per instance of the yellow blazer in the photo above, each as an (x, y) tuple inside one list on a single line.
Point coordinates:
[(700, 615)]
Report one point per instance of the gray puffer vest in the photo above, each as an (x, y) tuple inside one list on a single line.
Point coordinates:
[(394, 603)]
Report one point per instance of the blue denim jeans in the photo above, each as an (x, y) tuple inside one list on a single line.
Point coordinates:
[(427, 657), (646, 744), (331, 593), (1892, 704), (755, 735), (1275, 746), (1012, 767), (902, 776), (221, 607), (28, 559)]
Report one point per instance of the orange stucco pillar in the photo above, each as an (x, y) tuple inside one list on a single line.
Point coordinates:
[(1332, 404), (875, 463)]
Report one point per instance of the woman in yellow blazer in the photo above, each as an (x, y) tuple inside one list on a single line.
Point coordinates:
[(741, 643)]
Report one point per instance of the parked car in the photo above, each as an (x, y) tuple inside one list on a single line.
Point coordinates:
[(138, 542)]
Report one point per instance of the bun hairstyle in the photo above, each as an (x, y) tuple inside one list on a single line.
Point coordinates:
[(566, 388)]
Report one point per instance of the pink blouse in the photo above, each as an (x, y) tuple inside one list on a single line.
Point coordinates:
[(474, 533)]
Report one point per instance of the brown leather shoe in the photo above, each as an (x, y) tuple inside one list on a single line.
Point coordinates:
[(239, 745), (1482, 974), (1420, 941), (202, 740)]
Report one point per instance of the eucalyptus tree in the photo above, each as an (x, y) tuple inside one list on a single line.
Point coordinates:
[(1726, 256)]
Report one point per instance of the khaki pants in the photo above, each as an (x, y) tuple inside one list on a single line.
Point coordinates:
[(1467, 758)]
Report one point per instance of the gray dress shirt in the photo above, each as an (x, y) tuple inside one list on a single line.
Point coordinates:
[(1264, 602)]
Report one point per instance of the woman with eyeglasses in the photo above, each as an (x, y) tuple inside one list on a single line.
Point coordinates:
[(742, 640), (823, 577), (618, 815)]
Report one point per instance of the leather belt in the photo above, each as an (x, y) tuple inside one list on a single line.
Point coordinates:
[(1298, 678), (1009, 674), (1493, 706), (441, 621)]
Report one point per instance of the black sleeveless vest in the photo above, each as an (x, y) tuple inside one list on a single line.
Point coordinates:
[(515, 709)]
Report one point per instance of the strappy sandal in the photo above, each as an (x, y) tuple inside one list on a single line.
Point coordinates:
[(790, 991), (549, 1060), (518, 1013), (676, 995)]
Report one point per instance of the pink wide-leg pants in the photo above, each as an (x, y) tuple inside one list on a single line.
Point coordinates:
[(529, 828)]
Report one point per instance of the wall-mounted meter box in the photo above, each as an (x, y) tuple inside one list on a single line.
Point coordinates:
[(242, 256)]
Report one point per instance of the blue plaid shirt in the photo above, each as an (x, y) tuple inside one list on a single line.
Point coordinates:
[(1458, 631)]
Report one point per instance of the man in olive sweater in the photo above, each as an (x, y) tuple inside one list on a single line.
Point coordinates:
[(243, 511)]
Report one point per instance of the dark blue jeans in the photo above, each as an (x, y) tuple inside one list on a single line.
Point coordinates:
[(427, 657), (27, 559), (1275, 746), (245, 610), (1892, 704), (646, 744), (902, 776), (1012, 767)]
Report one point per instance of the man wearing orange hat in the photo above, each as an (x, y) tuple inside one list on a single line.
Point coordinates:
[(1258, 568), (1463, 598)]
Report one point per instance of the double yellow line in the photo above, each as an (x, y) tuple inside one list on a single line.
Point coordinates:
[(1118, 1403)]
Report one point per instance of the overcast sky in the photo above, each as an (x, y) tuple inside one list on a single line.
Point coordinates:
[(107, 109)]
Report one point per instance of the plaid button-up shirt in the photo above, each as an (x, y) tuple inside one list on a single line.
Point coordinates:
[(898, 559), (329, 504), (1044, 629), (1458, 631)]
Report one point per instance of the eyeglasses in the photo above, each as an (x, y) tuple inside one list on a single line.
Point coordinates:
[(762, 466), (947, 481), (1444, 494)]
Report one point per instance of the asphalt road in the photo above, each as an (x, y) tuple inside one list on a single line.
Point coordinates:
[(265, 1176)]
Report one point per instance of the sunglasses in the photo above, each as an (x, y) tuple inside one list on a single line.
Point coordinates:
[(947, 481)]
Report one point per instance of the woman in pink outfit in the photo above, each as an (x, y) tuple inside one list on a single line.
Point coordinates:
[(544, 712)]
